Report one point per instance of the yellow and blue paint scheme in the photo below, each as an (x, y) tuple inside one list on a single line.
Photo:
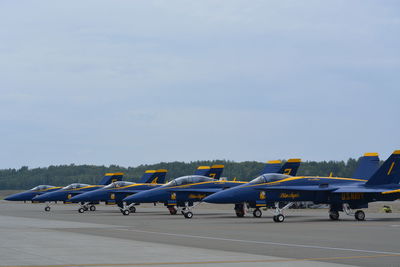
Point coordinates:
[(379, 184)]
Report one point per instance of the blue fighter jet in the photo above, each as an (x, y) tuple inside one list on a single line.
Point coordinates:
[(342, 194), (213, 172), (289, 168), (30, 194), (184, 191), (115, 192), (245, 196), (204, 175), (66, 193)]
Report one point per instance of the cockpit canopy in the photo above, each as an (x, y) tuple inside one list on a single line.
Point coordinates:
[(117, 184), (74, 186), (269, 177), (41, 187), (190, 179)]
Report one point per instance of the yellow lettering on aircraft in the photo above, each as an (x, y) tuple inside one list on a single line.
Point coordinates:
[(262, 195), (154, 180), (197, 196), (291, 195), (114, 180), (352, 196), (212, 175), (173, 196)]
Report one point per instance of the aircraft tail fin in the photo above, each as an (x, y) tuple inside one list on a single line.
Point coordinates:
[(290, 167), (216, 171), (202, 170), (388, 173), (367, 166), (272, 166), (111, 177), (153, 176)]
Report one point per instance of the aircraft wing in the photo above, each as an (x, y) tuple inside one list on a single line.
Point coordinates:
[(297, 188), (200, 190)]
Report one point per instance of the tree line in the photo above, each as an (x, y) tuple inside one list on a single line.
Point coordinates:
[(25, 178)]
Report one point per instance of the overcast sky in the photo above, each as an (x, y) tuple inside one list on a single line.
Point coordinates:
[(137, 82)]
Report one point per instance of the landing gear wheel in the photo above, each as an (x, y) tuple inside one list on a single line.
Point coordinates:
[(92, 208), (257, 213), (172, 210), (188, 215), (334, 215), (239, 214), (239, 210), (81, 210), (132, 209), (279, 218), (85, 208), (359, 215), (47, 208), (125, 212)]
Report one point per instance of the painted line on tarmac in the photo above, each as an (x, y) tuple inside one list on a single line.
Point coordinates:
[(262, 242), (201, 262)]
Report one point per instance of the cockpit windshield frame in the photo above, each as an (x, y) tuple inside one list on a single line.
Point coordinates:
[(118, 184), (41, 187), (269, 177), (189, 179), (74, 186)]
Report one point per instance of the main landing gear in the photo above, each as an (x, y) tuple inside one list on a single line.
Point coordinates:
[(172, 210), (257, 213), (359, 215), (128, 209), (240, 210), (278, 213), (334, 215), (85, 207)]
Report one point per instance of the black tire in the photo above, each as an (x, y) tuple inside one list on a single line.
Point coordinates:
[(81, 210), (47, 208), (239, 210), (85, 208), (257, 213), (359, 215), (334, 215), (125, 212), (92, 208), (239, 214), (188, 215), (172, 211), (279, 218), (132, 209)]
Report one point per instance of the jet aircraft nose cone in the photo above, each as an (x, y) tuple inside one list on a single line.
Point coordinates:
[(10, 198), (24, 196)]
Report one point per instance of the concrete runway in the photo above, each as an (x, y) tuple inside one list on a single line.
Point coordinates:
[(215, 236)]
